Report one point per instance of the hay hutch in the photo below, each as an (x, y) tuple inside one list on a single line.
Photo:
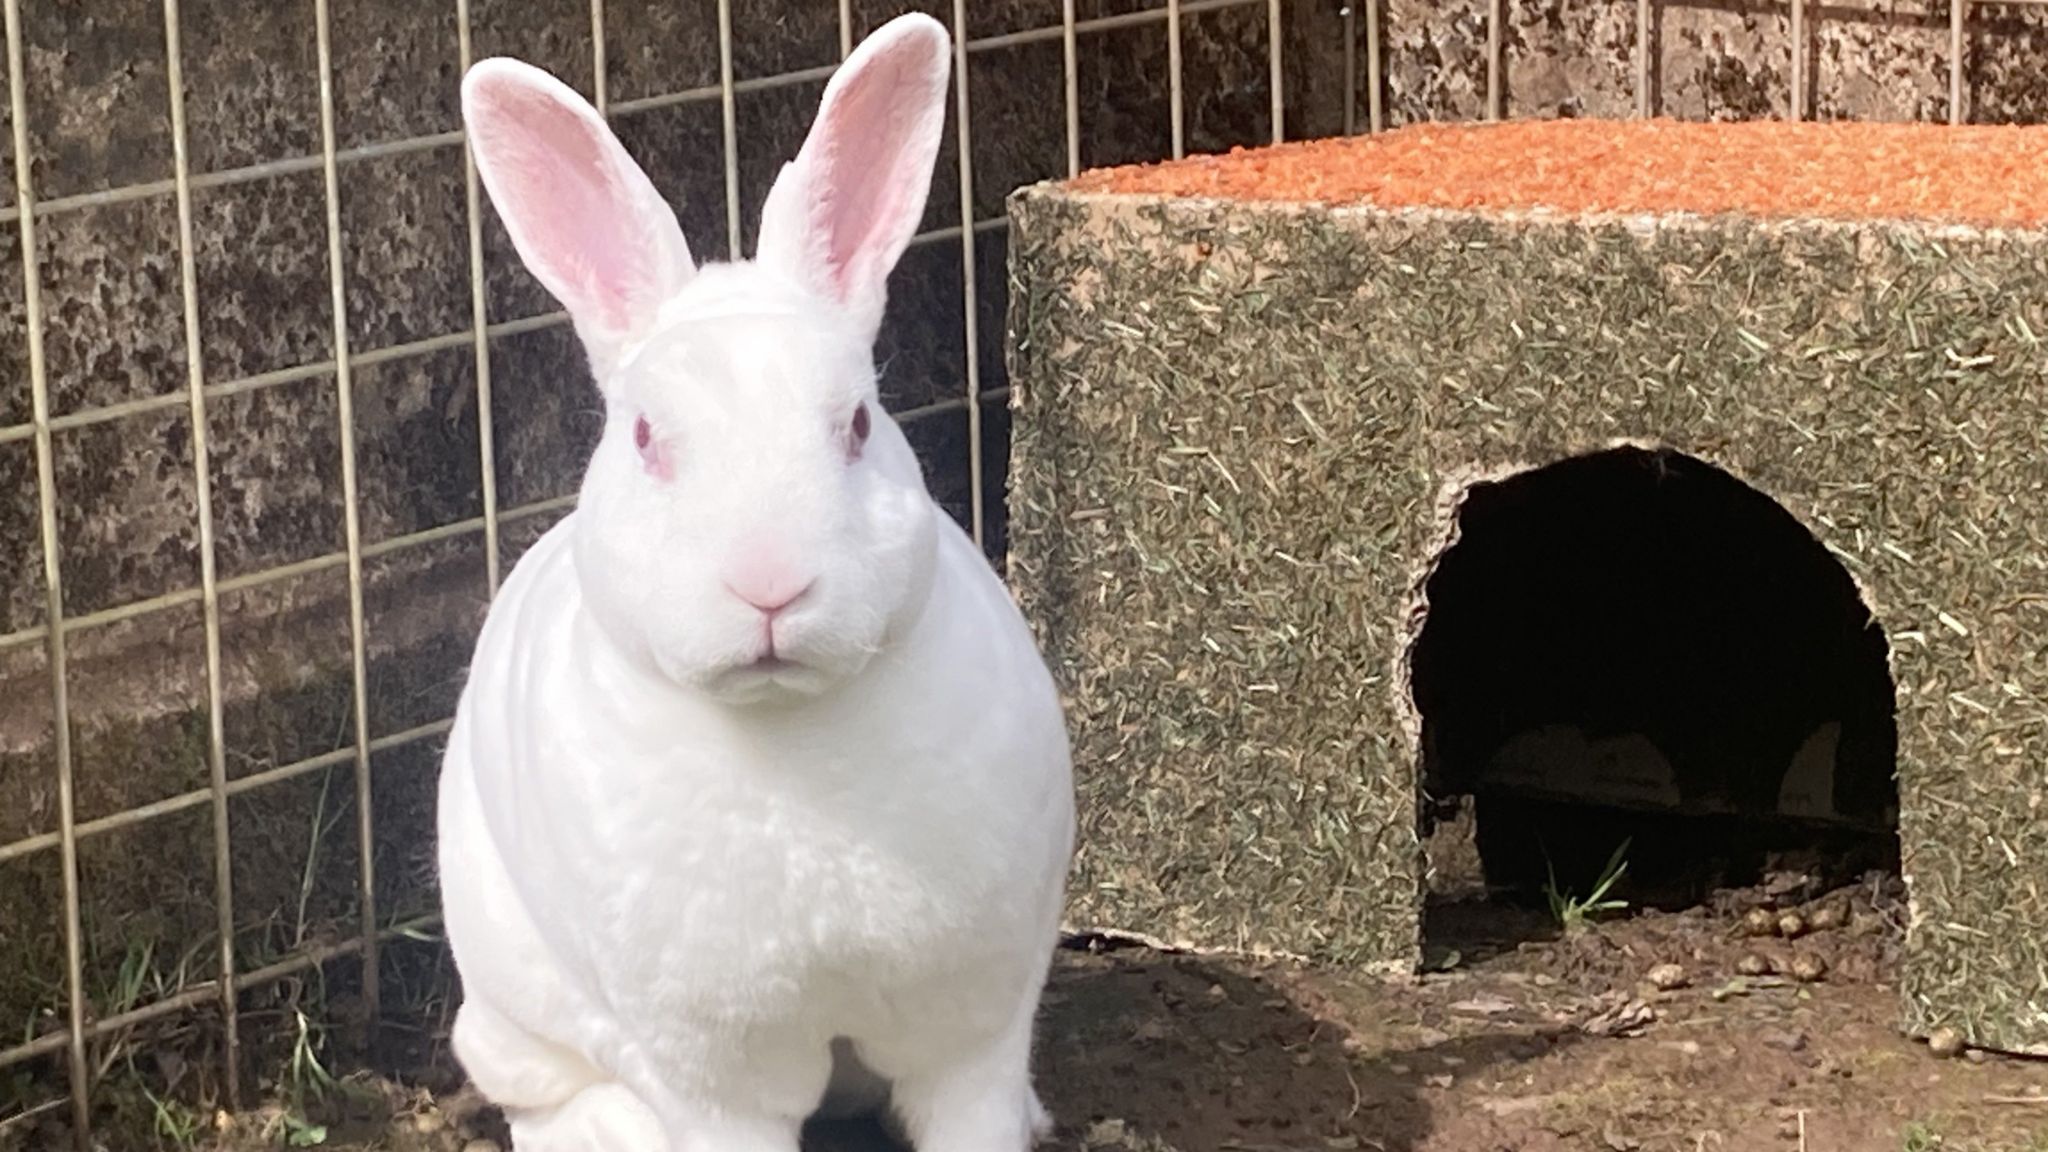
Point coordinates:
[(1465, 459)]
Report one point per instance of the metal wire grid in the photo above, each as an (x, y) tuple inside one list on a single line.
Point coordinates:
[(73, 1039), (26, 211)]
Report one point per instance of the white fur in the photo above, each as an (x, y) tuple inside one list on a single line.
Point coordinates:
[(687, 896)]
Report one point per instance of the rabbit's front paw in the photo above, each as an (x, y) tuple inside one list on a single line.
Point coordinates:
[(983, 1102), (965, 1113), (511, 1066), (604, 1117)]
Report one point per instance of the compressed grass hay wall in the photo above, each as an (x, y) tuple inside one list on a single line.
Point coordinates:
[(1248, 391)]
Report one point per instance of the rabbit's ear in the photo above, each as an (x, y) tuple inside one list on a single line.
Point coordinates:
[(585, 218), (841, 213)]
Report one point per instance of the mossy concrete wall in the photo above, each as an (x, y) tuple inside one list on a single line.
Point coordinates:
[(1239, 435)]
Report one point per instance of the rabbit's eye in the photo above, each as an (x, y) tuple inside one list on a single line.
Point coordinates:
[(651, 453), (857, 432)]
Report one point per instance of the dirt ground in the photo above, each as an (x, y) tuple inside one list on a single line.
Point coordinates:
[(1521, 1038)]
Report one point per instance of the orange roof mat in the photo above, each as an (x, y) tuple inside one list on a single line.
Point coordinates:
[(1983, 175)]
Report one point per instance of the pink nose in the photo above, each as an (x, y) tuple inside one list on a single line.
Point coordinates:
[(771, 598), (764, 581)]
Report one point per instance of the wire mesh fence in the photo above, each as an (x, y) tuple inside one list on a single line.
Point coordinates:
[(288, 408)]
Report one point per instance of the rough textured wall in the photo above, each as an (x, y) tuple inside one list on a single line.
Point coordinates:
[(1238, 432), (1215, 515), (1865, 60)]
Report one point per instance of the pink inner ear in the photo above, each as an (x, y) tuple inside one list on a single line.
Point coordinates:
[(565, 207), (867, 177)]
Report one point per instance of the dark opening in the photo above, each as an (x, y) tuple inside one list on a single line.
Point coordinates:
[(1634, 646)]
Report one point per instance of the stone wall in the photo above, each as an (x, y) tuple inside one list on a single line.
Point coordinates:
[(1724, 59)]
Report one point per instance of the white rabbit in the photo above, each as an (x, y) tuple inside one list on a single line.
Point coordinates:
[(759, 786)]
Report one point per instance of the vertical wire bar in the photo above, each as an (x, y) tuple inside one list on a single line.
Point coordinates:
[(209, 591), (1375, 115), (1957, 12), (845, 28), (1070, 79), (1176, 78), (1798, 96), (53, 584), (479, 301), (1351, 68), (600, 96), (962, 111), (1643, 49), (728, 109), (1493, 18), (344, 387), (1276, 69)]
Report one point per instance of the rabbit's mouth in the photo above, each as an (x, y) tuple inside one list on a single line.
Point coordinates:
[(772, 665), (768, 677), (791, 665)]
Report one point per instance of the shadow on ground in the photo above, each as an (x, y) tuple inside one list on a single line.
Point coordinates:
[(1511, 1042), (1158, 1053)]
